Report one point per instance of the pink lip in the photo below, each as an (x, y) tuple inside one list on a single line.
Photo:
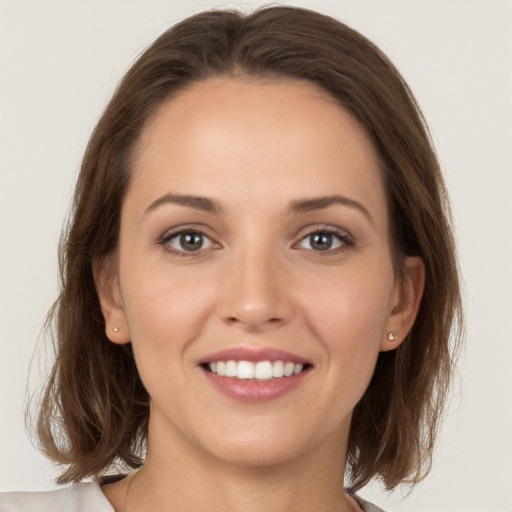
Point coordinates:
[(253, 355), (252, 390)]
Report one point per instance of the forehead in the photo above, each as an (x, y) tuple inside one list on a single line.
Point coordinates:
[(243, 135)]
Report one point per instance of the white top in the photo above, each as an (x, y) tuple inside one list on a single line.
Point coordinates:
[(81, 497)]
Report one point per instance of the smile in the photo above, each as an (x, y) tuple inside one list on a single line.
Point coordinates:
[(254, 375), (260, 371)]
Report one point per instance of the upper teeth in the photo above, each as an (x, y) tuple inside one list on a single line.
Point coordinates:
[(262, 370)]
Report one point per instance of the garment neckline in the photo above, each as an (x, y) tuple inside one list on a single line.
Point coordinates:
[(365, 506)]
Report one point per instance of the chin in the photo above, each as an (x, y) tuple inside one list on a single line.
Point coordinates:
[(258, 456), (263, 447)]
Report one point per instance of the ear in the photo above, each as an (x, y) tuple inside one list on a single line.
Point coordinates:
[(405, 304), (107, 286)]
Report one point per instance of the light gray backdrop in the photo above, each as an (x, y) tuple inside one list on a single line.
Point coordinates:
[(59, 62)]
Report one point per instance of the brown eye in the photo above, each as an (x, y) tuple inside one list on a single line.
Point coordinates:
[(189, 241), (323, 241)]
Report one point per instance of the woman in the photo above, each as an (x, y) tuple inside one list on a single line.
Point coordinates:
[(258, 280)]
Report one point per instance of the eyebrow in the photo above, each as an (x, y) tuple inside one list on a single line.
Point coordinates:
[(197, 202), (318, 203), (298, 206)]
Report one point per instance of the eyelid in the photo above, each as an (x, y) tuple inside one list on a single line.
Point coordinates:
[(347, 240), (184, 229)]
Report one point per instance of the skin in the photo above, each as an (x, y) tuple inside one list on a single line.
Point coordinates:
[(254, 147)]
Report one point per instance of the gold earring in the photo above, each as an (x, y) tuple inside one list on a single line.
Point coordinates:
[(391, 336), (115, 329)]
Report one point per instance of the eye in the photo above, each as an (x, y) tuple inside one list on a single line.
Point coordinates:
[(325, 240), (188, 241)]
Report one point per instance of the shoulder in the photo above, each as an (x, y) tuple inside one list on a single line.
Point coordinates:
[(366, 506), (81, 497)]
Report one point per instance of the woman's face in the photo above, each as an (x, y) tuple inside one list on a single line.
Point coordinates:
[(254, 236)]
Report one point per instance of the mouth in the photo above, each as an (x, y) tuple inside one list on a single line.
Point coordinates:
[(256, 371), (255, 375)]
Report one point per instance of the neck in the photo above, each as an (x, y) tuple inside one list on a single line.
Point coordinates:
[(184, 479)]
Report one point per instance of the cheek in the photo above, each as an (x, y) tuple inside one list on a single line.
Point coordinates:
[(161, 299), (351, 303), (165, 314), (348, 315)]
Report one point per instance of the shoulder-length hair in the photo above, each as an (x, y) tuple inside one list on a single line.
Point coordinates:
[(95, 409)]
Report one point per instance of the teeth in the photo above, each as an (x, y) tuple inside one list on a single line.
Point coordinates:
[(262, 370), (278, 369), (288, 369), (245, 370), (231, 369)]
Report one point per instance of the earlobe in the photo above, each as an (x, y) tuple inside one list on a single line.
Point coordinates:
[(407, 299), (112, 308)]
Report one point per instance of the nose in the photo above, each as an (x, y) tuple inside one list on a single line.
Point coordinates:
[(256, 294)]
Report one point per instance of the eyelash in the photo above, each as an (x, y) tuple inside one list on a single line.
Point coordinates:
[(167, 237), (345, 240)]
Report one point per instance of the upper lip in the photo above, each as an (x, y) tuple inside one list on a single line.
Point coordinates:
[(253, 355)]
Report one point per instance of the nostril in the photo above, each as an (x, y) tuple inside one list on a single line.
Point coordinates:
[(254, 314), (234, 319)]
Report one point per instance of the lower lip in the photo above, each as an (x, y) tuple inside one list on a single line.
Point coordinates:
[(254, 390)]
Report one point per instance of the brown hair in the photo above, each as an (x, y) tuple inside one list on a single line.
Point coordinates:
[(95, 409)]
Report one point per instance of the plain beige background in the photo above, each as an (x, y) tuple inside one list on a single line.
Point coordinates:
[(59, 63)]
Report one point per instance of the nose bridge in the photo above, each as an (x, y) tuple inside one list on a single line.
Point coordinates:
[(255, 293)]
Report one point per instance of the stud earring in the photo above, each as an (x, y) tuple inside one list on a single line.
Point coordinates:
[(391, 336), (115, 329)]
